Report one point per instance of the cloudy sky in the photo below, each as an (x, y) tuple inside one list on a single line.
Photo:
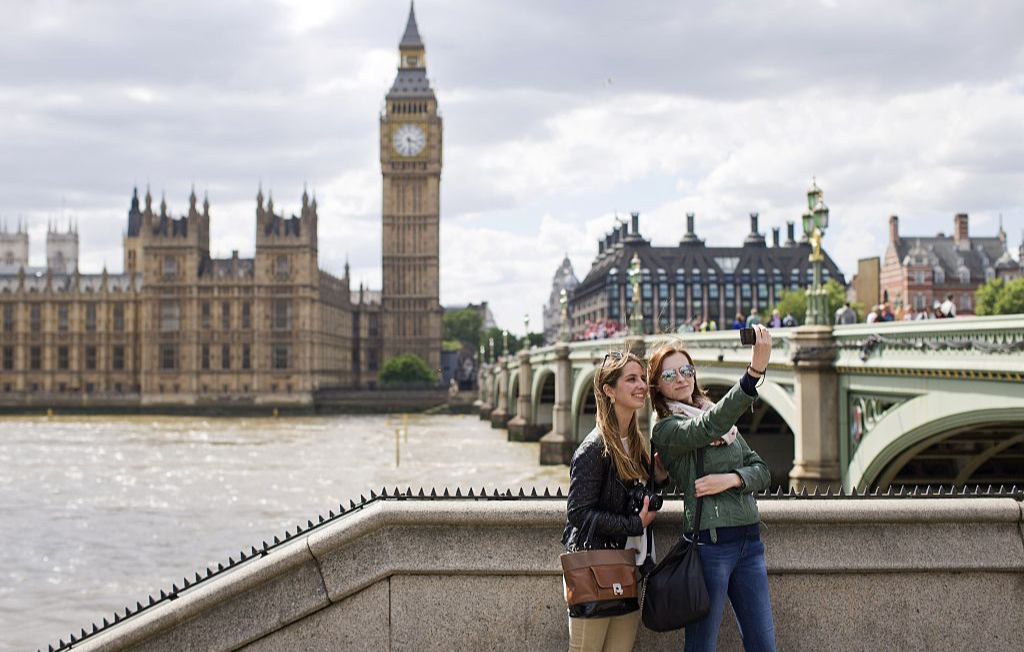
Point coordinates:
[(558, 117)]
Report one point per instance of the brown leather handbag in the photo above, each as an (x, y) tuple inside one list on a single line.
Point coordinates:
[(600, 583)]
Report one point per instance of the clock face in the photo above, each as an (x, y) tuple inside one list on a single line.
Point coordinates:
[(409, 140)]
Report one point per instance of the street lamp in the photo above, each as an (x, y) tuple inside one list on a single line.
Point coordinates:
[(504, 342), (636, 318), (490, 342), (815, 222), (563, 302), (526, 330)]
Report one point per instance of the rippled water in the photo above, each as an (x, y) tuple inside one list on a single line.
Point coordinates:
[(99, 512)]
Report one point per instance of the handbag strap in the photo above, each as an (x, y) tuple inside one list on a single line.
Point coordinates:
[(649, 556), (698, 455)]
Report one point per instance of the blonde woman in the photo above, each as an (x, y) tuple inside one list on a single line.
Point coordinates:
[(610, 462), (729, 541)]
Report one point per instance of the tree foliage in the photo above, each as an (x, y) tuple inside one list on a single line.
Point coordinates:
[(463, 325), (794, 302), (405, 368), (999, 297)]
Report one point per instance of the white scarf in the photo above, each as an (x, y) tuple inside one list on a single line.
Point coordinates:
[(694, 412)]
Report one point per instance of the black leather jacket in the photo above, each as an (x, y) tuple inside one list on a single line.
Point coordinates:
[(596, 493)]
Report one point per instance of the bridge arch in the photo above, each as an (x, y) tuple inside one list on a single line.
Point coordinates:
[(513, 393), (584, 406), (542, 398), (916, 426)]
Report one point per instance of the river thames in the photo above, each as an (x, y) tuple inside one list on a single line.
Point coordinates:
[(100, 512)]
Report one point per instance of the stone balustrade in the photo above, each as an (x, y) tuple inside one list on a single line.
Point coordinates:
[(845, 574)]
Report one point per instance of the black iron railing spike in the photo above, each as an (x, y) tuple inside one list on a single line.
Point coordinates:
[(803, 492), (989, 492), (547, 492), (362, 498), (127, 612), (51, 649), (84, 634), (533, 492), (298, 530), (152, 601), (95, 628), (117, 617), (928, 490), (814, 493), (276, 540), (433, 492), (496, 495), (163, 594), (72, 639), (61, 643), (522, 492), (186, 583), (470, 494), (320, 518), (352, 503), (458, 492), (174, 588), (558, 493), (777, 492), (483, 492), (445, 494)]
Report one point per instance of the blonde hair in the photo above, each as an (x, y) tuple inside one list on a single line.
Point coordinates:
[(631, 465), (698, 398)]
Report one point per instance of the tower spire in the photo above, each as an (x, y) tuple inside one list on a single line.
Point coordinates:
[(411, 37)]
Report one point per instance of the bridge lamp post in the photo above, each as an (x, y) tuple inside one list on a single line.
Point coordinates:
[(563, 302), (636, 317), (526, 331), (504, 342), (815, 222), (483, 354), (490, 343)]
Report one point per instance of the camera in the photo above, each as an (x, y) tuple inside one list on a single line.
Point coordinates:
[(636, 499), (747, 336)]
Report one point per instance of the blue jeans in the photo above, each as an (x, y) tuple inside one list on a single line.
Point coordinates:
[(734, 567)]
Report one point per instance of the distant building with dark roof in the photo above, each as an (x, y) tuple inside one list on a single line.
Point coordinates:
[(920, 270), (691, 280)]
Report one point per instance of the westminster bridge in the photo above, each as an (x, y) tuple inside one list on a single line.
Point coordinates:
[(937, 402)]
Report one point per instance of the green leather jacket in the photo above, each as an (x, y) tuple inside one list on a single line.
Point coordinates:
[(677, 437)]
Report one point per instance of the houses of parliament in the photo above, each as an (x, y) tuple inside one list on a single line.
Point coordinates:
[(178, 327)]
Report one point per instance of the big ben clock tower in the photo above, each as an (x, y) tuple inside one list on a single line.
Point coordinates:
[(410, 160)]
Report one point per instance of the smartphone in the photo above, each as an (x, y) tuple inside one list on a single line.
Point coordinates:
[(747, 336)]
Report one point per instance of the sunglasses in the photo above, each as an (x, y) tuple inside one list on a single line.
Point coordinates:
[(614, 356), (672, 375)]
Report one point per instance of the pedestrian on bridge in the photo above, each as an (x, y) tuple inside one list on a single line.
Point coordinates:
[(729, 537), (601, 509)]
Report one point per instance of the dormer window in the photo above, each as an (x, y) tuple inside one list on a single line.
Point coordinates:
[(965, 276), (939, 275)]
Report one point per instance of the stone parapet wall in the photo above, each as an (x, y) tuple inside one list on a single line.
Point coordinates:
[(908, 574)]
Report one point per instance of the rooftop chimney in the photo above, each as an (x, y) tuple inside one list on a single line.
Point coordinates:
[(690, 237), (894, 228), (600, 248), (775, 236), (790, 241), (960, 235), (634, 219), (623, 231), (754, 237)]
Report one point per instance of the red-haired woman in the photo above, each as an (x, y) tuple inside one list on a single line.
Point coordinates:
[(729, 538)]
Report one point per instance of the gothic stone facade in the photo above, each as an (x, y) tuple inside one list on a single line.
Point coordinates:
[(179, 327)]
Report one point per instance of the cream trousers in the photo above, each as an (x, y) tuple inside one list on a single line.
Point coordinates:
[(614, 634)]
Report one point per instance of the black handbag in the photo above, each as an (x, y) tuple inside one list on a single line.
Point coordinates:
[(674, 593)]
